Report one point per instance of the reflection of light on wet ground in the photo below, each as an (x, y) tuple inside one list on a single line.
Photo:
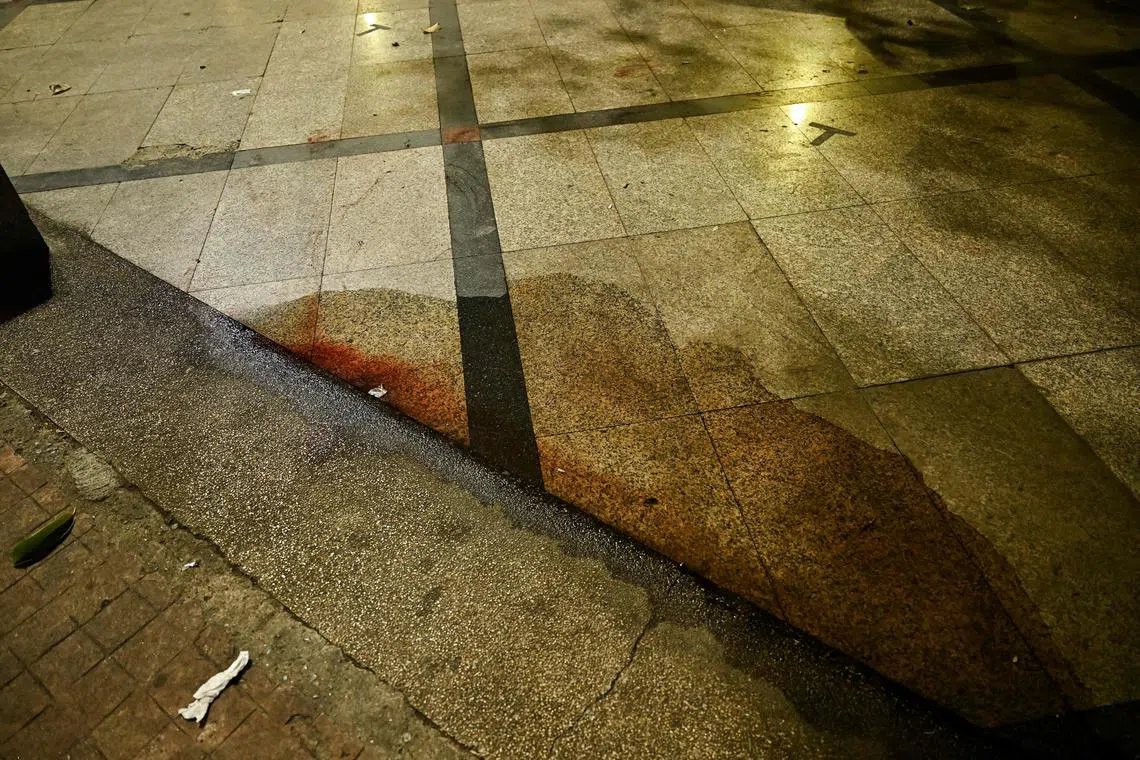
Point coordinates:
[(798, 112)]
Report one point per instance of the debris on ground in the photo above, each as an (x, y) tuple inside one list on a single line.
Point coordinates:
[(57, 89), (241, 93), (379, 391), (433, 28), (44, 539), (395, 43), (191, 564), (210, 690), (94, 479)]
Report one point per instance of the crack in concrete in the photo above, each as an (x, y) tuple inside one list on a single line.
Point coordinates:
[(650, 621)]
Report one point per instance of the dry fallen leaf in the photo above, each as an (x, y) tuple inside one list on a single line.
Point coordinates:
[(433, 28)]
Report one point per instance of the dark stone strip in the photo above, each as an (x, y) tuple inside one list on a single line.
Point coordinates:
[(1079, 70), (211, 162), (102, 175), (459, 123), (349, 146), (1121, 98), (729, 103), (627, 115), (498, 412)]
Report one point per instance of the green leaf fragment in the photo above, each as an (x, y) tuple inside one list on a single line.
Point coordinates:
[(44, 539)]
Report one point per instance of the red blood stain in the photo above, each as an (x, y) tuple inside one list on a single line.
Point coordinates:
[(459, 134), (431, 393), (628, 70)]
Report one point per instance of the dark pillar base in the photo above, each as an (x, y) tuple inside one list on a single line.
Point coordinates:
[(25, 270)]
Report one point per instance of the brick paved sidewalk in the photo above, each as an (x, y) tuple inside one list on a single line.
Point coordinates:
[(102, 642)]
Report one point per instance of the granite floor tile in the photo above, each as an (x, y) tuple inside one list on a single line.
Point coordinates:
[(741, 332), (548, 191), (25, 128), (594, 351), (388, 208), (103, 129), (717, 15), (397, 327), (1027, 130), (861, 557), (1099, 395), (40, 24), (1028, 298), (204, 117), (77, 207), (302, 9), (889, 157), (887, 317), (270, 225), (283, 311), (1094, 29), (176, 16), (243, 13), (606, 75), (383, 98), (1092, 222), (660, 482), (499, 25), (293, 109), (160, 224), (578, 22), (1043, 517), (690, 62), (517, 84), (375, 33), (224, 53), (661, 178), (778, 59), (380, 6), (770, 166), (105, 22), (312, 46), (77, 64), (146, 61), (15, 63)]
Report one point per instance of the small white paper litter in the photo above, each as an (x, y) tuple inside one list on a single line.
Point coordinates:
[(210, 690), (379, 391), (432, 28), (241, 93), (190, 564)]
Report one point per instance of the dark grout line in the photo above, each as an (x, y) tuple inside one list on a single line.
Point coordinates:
[(103, 175), (240, 159), (1078, 70), (499, 424), (732, 103), (348, 146), (457, 112)]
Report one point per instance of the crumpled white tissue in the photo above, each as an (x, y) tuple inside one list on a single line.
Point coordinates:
[(210, 690)]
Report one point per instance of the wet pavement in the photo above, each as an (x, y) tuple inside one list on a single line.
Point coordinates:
[(836, 304), (492, 619)]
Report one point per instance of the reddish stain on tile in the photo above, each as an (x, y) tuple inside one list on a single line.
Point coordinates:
[(460, 134), (862, 557), (660, 483), (425, 392)]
